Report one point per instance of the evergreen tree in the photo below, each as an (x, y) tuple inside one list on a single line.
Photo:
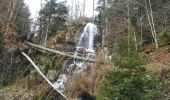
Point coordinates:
[(53, 16)]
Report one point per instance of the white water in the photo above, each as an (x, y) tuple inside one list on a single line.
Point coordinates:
[(60, 83), (86, 39), (85, 47)]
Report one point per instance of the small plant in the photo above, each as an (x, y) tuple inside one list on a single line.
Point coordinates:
[(163, 37)]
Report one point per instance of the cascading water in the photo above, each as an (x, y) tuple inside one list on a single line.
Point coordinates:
[(86, 39), (85, 48)]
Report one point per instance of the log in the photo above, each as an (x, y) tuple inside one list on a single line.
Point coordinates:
[(39, 71), (59, 52)]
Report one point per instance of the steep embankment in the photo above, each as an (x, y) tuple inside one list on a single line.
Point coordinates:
[(29, 85)]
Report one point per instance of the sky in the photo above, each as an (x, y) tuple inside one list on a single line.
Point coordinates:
[(35, 6)]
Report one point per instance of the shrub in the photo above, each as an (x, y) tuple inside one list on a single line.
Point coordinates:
[(129, 86), (132, 62), (164, 37)]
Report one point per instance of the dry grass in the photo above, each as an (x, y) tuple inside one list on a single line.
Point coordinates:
[(158, 67), (10, 39), (88, 81), (159, 59)]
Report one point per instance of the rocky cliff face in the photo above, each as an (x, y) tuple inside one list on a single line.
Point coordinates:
[(63, 39), (69, 38)]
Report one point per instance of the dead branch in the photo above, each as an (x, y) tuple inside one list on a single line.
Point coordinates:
[(38, 70), (59, 52)]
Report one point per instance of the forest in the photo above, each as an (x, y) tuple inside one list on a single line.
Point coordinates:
[(120, 52)]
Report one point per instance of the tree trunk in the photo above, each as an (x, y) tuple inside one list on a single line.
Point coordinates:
[(60, 53), (151, 23), (46, 36), (136, 45), (141, 31), (129, 32), (46, 33), (106, 19), (39, 71), (93, 12)]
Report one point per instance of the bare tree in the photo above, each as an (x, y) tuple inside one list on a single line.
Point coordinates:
[(153, 25), (151, 22)]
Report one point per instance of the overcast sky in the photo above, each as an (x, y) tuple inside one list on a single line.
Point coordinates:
[(35, 6)]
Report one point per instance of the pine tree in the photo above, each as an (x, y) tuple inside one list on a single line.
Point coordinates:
[(52, 18)]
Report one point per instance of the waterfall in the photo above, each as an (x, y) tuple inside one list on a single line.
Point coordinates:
[(86, 38), (85, 47)]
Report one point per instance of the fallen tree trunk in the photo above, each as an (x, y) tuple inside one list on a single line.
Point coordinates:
[(59, 52), (38, 70)]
